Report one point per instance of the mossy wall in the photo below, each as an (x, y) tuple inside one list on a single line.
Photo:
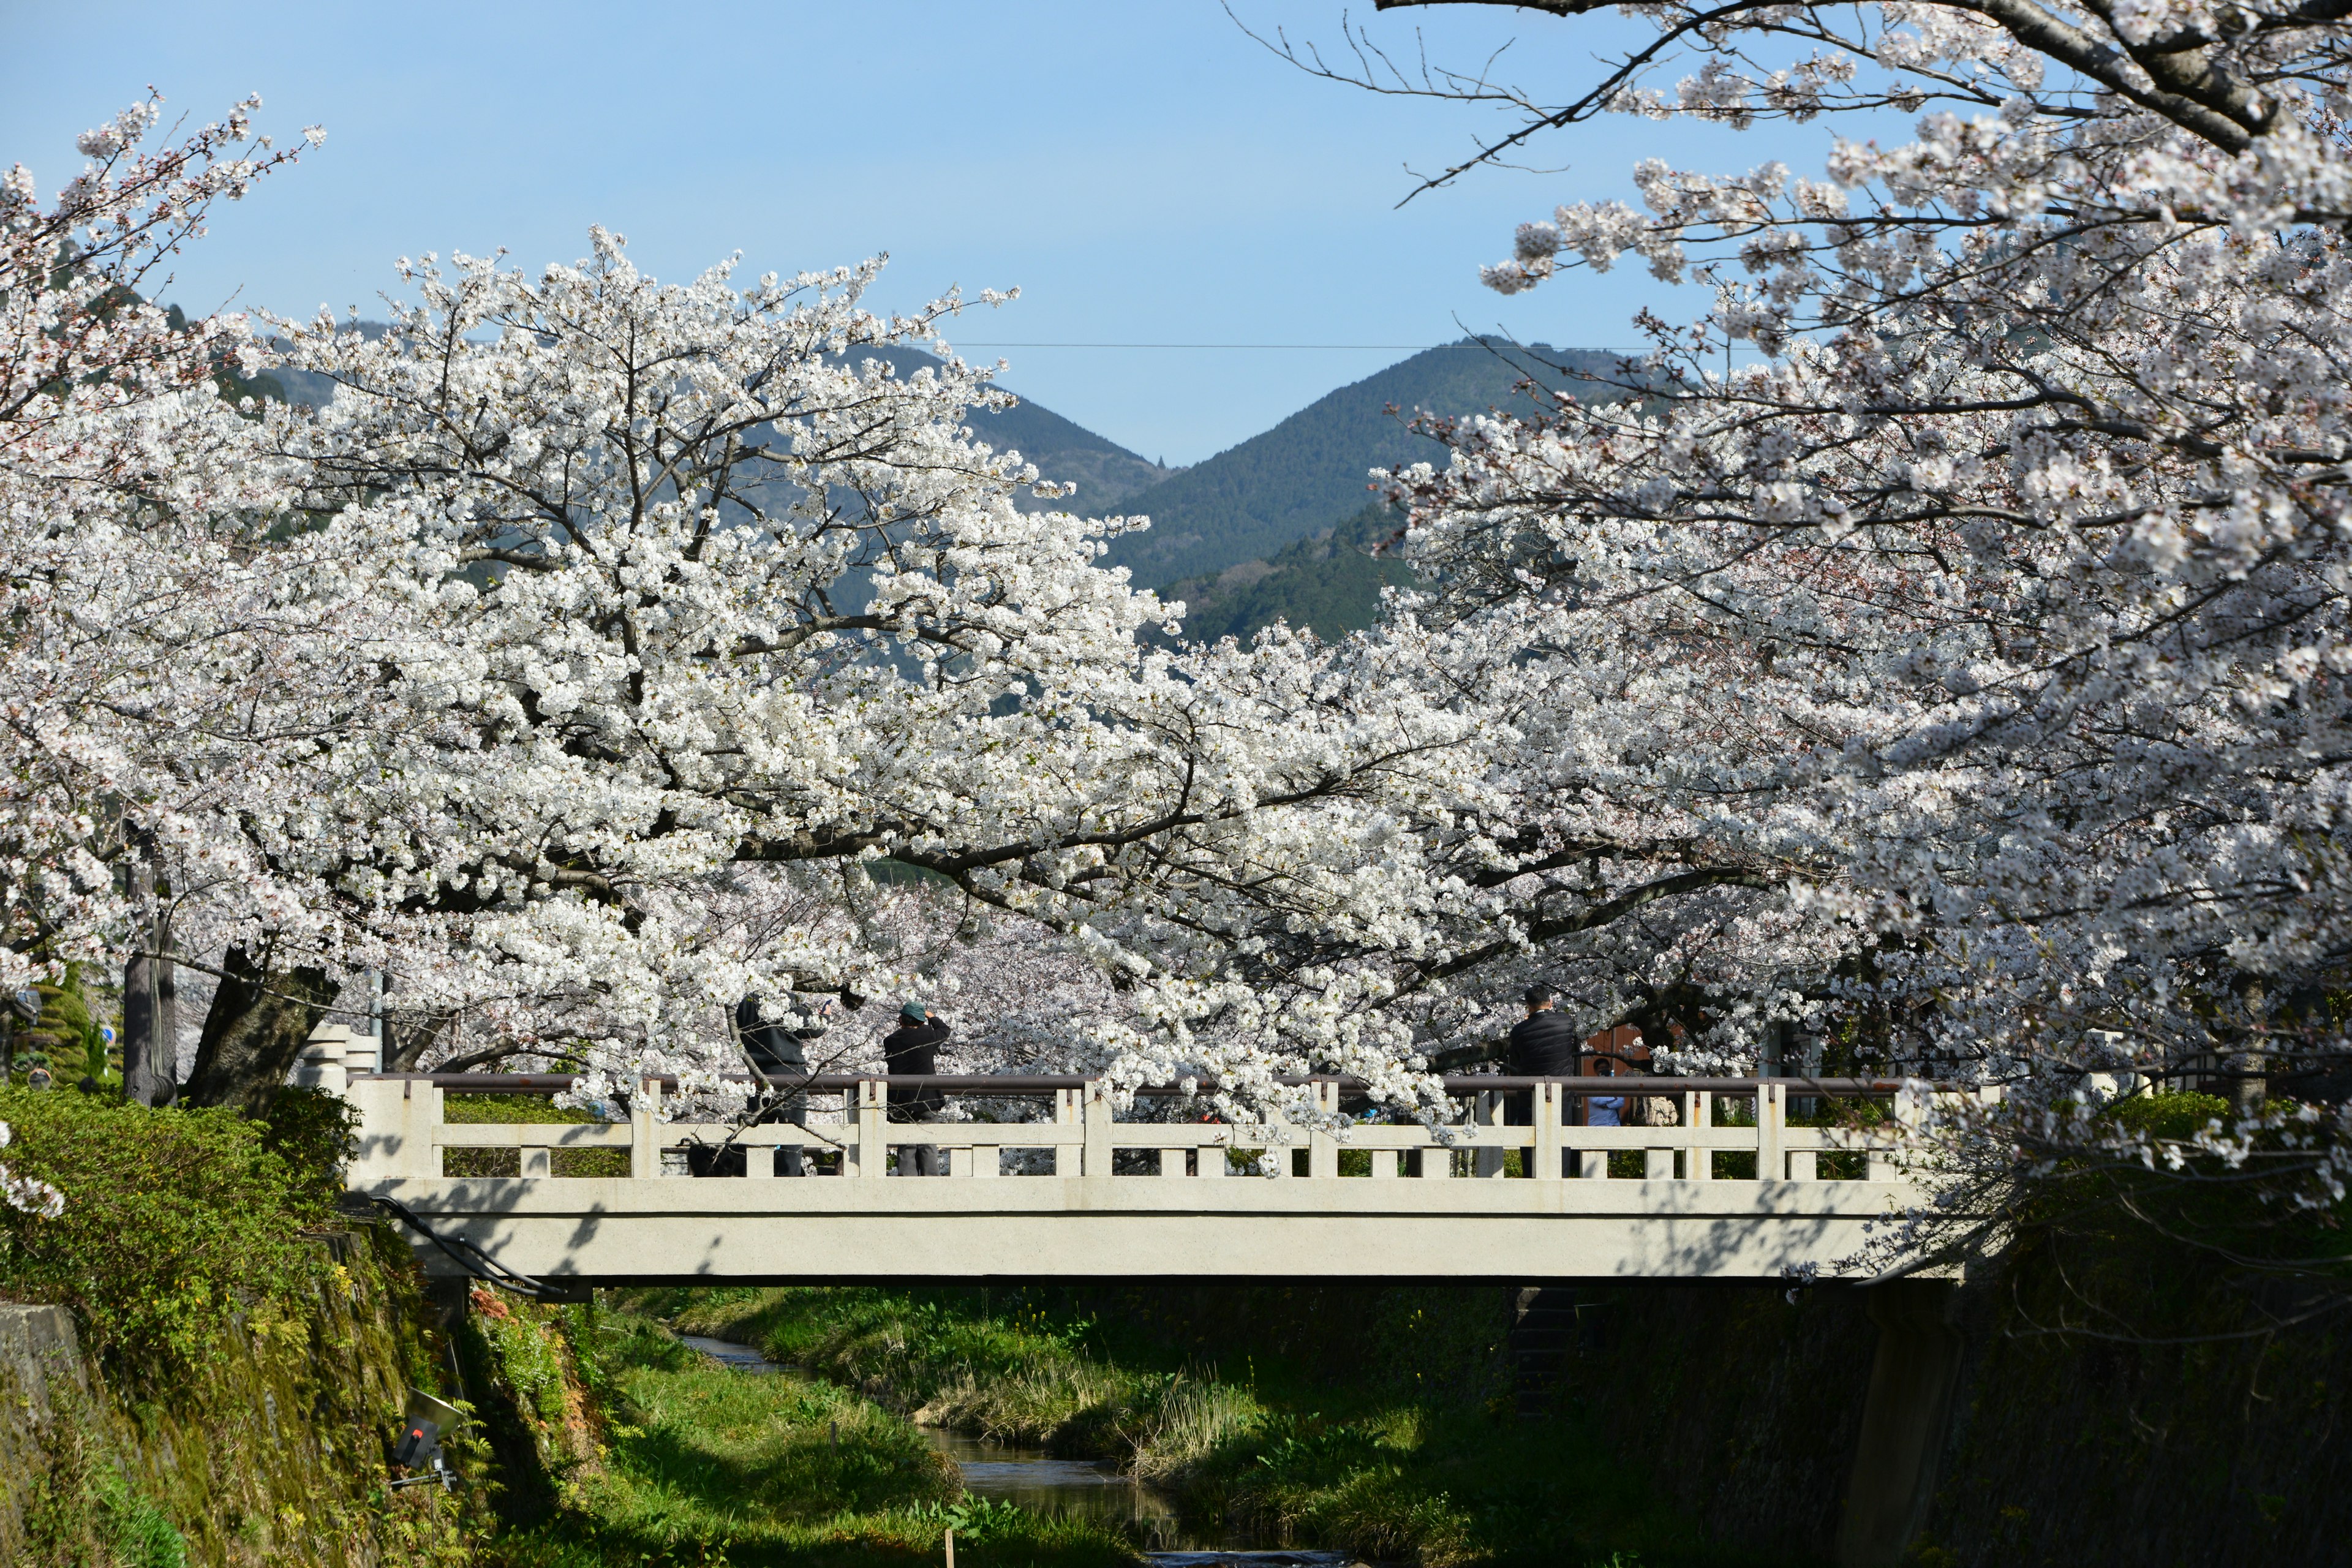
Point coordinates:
[(2079, 1451), (274, 1450), (2070, 1452)]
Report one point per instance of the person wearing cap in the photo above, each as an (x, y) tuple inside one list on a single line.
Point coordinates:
[(912, 1049), (780, 1054), (1543, 1045)]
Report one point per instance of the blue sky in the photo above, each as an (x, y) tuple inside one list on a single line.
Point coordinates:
[(1141, 169)]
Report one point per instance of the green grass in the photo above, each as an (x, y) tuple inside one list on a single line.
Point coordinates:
[(1304, 1458), (703, 1464)]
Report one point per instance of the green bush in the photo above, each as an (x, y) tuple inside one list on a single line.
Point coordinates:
[(316, 1132), (2170, 1115), (173, 1220), (537, 1110)]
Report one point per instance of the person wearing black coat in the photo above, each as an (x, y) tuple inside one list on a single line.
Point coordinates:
[(1543, 1045), (912, 1048), (779, 1053)]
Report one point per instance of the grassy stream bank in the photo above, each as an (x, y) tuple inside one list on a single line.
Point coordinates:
[(1397, 1462)]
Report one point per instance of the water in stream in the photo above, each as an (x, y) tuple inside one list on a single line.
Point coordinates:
[(1035, 1479)]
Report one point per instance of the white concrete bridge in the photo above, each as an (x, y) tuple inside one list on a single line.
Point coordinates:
[(1098, 1197)]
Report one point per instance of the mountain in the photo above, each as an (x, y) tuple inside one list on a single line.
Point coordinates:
[(1309, 472), (1104, 471), (1329, 582)]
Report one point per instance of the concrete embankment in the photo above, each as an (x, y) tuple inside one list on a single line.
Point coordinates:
[(273, 1451)]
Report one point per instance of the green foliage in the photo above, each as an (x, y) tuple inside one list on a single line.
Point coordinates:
[(528, 1353), (173, 1220), (2170, 1115), (706, 1465), (80, 1509), (1363, 1419), (139, 1532), (316, 1132), (977, 1520), (1330, 584), (536, 1110)]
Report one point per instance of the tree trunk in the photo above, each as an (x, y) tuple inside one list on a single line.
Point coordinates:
[(150, 1036), (258, 1024), (403, 1048), (167, 1017)]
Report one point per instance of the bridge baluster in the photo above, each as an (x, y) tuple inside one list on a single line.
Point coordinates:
[(1065, 1114), (1549, 1100), (1698, 1155), (873, 1129), (1322, 1148), (1097, 1160), (645, 1147), (1436, 1161)]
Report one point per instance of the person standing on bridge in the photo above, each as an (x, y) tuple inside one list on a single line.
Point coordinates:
[(1543, 1045), (780, 1056), (913, 1050)]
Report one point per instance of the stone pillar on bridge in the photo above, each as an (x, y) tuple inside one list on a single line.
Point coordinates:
[(1905, 1419)]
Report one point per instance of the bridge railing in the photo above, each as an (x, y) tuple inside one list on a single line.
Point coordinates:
[(1688, 1122)]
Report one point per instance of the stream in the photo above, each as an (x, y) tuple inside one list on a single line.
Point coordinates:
[(1035, 1479)]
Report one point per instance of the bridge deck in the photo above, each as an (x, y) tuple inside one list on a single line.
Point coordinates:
[(1423, 1210)]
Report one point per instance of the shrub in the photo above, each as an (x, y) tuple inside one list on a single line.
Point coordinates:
[(173, 1220), (316, 1132), (517, 1108)]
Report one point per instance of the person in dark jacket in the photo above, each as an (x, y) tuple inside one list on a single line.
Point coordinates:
[(780, 1054), (912, 1049), (1543, 1045)]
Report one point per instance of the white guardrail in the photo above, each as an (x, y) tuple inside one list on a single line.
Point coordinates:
[(405, 1131)]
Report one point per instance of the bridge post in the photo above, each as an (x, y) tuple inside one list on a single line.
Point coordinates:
[(1322, 1148), (1065, 1114), (645, 1143), (395, 1133), (1545, 1156), (873, 1127), (1096, 1156), (1698, 1115), (1487, 1160), (1877, 1167), (1771, 1106)]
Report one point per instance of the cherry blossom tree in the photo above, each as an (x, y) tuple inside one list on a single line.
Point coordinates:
[(677, 592), (1962, 676), (152, 618)]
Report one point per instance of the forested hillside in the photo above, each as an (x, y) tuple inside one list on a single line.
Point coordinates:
[(1309, 473), (1105, 472), (1329, 582)]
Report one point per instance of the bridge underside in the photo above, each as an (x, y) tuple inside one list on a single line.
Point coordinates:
[(611, 1232)]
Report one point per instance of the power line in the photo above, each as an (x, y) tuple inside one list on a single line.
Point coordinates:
[(1407, 348), (1414, 348)]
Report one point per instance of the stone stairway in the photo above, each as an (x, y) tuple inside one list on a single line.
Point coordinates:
[(1543, 1335)]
